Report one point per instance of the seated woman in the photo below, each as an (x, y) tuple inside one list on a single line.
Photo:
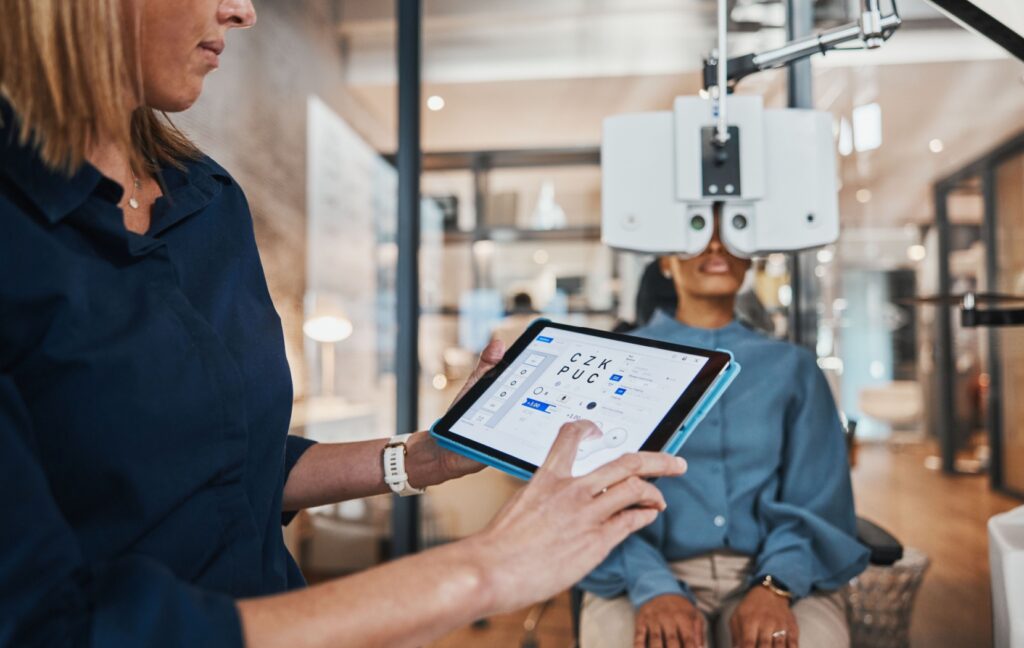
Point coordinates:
[(760, 532)]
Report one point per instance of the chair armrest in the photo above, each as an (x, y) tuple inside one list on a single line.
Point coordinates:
[(885, 548)]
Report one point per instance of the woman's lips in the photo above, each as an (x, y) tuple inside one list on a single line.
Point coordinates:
[(211, 51), (714, 265)]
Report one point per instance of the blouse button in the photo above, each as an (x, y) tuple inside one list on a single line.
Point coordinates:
[(719, 521)]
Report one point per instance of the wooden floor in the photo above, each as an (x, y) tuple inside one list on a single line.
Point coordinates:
[(942, 516)]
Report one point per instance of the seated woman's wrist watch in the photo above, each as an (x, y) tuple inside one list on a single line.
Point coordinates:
[(776, 587), (395, 475)]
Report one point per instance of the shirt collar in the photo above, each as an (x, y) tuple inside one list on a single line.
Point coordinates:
[(665, 322), (53, 192), (186, 192), (56, 194)]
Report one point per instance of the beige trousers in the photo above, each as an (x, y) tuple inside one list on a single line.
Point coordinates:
[(718, 582)]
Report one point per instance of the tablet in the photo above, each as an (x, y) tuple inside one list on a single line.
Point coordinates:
[(643, 394)]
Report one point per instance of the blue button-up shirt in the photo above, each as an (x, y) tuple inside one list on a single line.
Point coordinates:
[(768, 477), (144, 408)]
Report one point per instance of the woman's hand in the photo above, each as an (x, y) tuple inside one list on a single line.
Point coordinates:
[(669, 621), (763, 620), (557, 528), (547, 537), (442, 465)]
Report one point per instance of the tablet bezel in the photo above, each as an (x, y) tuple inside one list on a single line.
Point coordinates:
[(673, 420)]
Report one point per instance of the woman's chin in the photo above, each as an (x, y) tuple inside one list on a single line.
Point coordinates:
[(714, 287), (179, 101)]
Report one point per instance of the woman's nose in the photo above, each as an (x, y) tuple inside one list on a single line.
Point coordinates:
[(237, 13), (715, 245)]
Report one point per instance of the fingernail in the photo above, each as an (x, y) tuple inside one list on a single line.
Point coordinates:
[(681, 463)]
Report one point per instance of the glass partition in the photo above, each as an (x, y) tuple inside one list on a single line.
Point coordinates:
[(1009, 236)]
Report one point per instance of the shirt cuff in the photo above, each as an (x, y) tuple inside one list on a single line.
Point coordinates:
[(653, 584), (787, 572), (294, 448)]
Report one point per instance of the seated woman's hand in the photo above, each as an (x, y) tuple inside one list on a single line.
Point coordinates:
[(764, 620), (669, 621), (558, 527)]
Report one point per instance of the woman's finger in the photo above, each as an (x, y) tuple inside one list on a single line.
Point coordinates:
[(750, 635), (563, 451), (640, 635), (641, 464), (698, 631), (670, 634), (654, 637), (629, 492), (684, 628), (622, 525), (490, 356)]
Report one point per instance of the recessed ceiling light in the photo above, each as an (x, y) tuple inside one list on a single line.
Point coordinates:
[(845, 137), (916, 253), (435, 102), (867, 127), (936, 146), (863, 196)]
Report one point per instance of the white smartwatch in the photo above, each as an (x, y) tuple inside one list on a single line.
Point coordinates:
[(394, 467)]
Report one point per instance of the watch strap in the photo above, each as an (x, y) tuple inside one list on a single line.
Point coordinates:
[(395, 475), (776, 587)]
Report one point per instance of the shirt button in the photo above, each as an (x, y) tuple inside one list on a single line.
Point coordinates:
[(719, 521)]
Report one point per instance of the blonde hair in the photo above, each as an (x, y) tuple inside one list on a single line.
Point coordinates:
[(68, 69)]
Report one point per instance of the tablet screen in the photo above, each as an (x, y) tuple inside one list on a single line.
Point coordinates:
[(561, 376)]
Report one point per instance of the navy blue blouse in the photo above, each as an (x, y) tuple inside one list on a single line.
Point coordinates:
[(144, 408)]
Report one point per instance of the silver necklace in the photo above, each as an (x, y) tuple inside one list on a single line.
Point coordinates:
[(136, 185)]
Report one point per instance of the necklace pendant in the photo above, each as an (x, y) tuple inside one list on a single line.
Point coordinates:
[(133, 203)]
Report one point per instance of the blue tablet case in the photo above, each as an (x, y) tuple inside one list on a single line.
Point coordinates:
[(676, 442)]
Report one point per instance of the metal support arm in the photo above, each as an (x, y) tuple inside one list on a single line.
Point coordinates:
[(871, 30)]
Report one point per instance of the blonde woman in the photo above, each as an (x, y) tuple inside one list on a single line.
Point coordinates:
[(144, 395)]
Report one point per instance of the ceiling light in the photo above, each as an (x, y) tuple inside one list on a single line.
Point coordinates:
[(540, 257), (863, 196), (845, 137), (867, 127), (916, 252), (935, 146), (435, 102)]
